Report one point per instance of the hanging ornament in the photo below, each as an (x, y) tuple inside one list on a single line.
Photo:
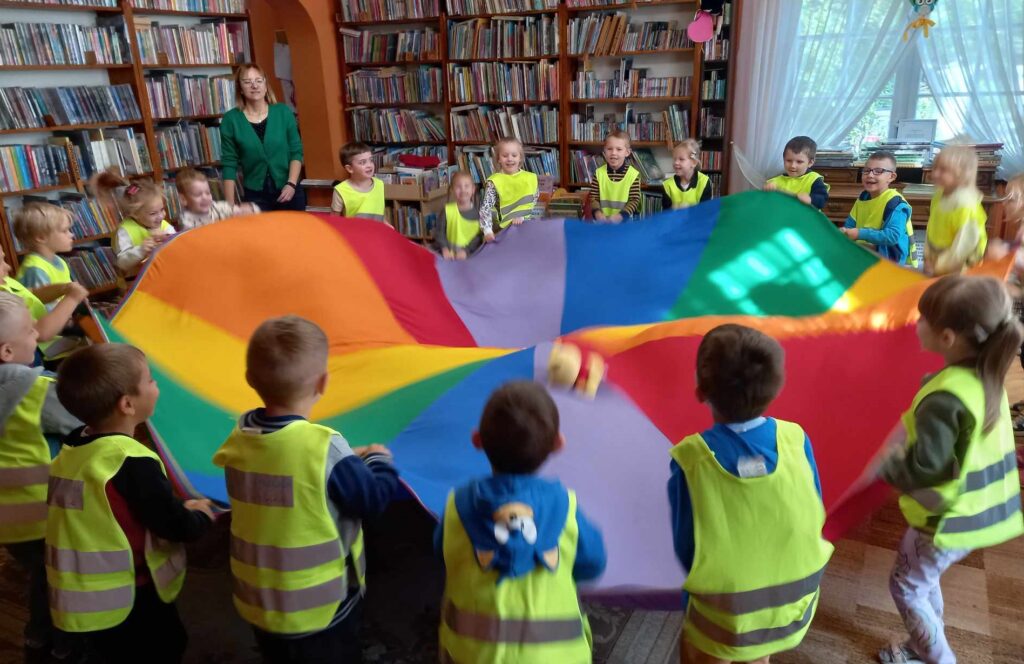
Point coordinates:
[(922, 10), (707, 22)]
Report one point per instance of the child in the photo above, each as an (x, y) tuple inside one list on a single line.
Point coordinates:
[(114, 559), (29, 409), (749, 483), (957, 470), (511, 191), (457, 233), (809, 187), (689, 186), (881, 216), (615, 189), (515, 544), (44, 230), (298, 492), (955, 237), (198, 206), (143, 225), (361, 195), (48, 324)]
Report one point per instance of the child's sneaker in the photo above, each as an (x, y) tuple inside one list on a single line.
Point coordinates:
[(899, 654)]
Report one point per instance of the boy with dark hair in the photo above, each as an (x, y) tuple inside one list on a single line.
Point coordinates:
[(809, 187), (747, 491), (298, 492), (515, 545), (114, 561), (881, 216), (615, 189), (362, 194)]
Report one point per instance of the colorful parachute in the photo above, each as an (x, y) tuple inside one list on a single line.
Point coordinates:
[(417, 344)]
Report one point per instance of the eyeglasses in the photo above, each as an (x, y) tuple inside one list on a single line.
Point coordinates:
[(876, 171), (253, 82)]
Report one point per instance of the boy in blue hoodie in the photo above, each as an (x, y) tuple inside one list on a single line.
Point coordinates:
[(515, 545)]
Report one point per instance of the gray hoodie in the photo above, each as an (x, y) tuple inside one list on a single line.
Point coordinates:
[(15, 382)]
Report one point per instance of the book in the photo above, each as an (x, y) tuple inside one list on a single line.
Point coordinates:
[(394, 85), (73, 3), (463, 7), (220, 6), (628, 82), (405, 45), (25, 108), (62, 44), (671, 125), (504, 82), (214, 41), (93, 267), (504, 37), (611, 34), (188, 144), (393, 10), (33, 166), (395, 125), (172, 95), (486, 124)]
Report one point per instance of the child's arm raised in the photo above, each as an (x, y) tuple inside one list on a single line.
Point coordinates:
[(362, 481), (49, 292), (52, 323)]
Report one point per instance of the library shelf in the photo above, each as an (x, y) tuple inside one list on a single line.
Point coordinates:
[(9, 4), (179, 118), (91, 125), (190, 65), (629, 54), (4, 68), (628, 5), (630, 100), (635, 144), (528, 12), (715, 63), (38, 190), (650, 186), (521, 102), (485, 144), (205, 164), (138, 11), (78, 241), (395, 63), (400, 143), (354, 105), (389, 21), (712, 101), (521, 58)]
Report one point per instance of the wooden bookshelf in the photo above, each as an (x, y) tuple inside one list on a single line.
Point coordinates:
[(719, 67), (133, 74)]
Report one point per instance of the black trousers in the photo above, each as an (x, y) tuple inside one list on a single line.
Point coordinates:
[(152, 627), (266, 198), (30, 555), (335, 645)]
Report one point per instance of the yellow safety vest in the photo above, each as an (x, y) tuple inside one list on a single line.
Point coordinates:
[(89, 562), (287, 556), (362, 204), (24, 468), (754, 581), (614, 195), (56, 275), (870, 213), (516, 194), (681, 198), (139, 233), (800, 185), (34, 304), (982, 506), (532, 619), (943, 225), (459, 230)]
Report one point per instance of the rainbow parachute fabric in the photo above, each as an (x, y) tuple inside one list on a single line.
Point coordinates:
[(417, 344)]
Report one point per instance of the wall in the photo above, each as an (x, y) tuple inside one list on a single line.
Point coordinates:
[(310, 29)]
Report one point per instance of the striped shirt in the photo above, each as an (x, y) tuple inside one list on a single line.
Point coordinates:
[(616, 174)]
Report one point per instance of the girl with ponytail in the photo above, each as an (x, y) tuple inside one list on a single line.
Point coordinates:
[(141, 202), (957, 472)]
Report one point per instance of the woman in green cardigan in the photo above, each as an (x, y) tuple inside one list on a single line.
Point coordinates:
[(260, 139)]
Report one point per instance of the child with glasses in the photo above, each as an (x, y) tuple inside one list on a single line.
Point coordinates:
[(880, 219)]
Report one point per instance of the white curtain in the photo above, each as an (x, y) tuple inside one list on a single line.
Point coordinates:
[(810, 67), (974, 64)]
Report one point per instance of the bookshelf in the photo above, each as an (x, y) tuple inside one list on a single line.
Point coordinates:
[(716, 69), (173, 63), (546, 71)]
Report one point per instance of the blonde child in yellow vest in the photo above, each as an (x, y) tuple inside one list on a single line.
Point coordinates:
[(361, 195), (29, 409), (881, 216), (511, 192), (798, 180), (143, 225), (955, 466), (615, 188), (688, 186), (44, 230), (956, 236), (457, 233)]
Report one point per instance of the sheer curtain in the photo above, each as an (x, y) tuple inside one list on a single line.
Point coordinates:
[(810, 67), (974, 64)]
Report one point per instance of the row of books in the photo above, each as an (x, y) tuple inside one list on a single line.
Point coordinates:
[(73, 3), (478, 161), (23, 108), (94, 267), (411, 222), (486, 124), (188, 144), (506, 82), (584, 164), (711, 124), (393, 125), (366, 46), (711, 160), (672, 124), (629, 82), (32, 166), (610, 34), (713, 86), (387, 158), (717, 48), (505, 37), (394, 85), (210, 42), (908, 154), (578, 4), (222, 6), (463, 7), (387, 10), (715, 182), (834, 157), (95, 150), (62, 44), (175, 95)]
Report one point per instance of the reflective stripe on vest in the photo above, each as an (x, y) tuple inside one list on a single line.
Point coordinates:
[(89, 563), (742, 606), (982, 507), (944, 224), (24, 468), (687, 198), (870, 213), (614, 195), (57, 274), (363, 204), (798, 185), (288, 556), (459, 231), (483, 627), (516, 194), (34, 304)]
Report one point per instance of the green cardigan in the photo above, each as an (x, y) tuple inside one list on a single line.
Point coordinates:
[(241, 147)]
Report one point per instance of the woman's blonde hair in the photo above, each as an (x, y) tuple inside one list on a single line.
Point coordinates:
[(36, 220), (240, 71), (962, 160), (137, 193)]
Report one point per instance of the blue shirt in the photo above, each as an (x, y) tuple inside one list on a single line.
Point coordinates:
[(892, 239)]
